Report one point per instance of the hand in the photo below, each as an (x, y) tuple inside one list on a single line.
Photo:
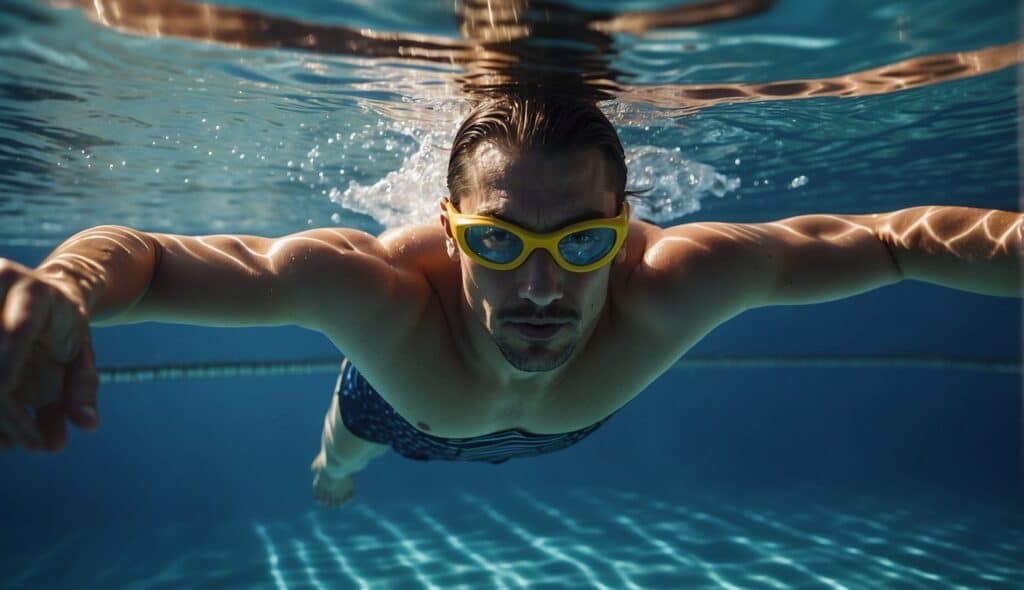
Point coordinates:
[(46, 360)]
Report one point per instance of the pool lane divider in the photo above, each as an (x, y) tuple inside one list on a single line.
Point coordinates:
[(192, 371)]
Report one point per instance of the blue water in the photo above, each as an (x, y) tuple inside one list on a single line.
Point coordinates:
[(746, 476)]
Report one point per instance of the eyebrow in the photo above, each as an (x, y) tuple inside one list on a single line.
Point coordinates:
[(585, 216)]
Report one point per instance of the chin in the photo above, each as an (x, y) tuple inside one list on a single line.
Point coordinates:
[(533, 358)]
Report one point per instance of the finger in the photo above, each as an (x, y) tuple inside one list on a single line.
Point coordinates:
[(23, 316), (81, 384), (17, 423), (41, 381), (51, 422)]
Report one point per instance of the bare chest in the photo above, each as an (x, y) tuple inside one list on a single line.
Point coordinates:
[(428, 385), (429, 380)]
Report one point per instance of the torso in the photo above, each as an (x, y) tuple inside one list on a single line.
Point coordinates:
[(428, 382)]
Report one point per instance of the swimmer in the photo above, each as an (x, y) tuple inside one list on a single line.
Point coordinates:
[(530, 310)]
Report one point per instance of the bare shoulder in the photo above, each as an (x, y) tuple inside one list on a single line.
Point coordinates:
[(414, 246), (675, 257), (681, 281), (403, 246), (325, 243), (354, 282), (411, 328), (631, 274)]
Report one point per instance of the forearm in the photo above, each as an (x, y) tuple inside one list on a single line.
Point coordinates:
[(979, 250), (108, 268)]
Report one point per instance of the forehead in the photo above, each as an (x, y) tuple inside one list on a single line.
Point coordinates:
[(537, 190)]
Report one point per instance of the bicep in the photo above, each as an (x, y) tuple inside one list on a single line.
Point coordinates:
[(235, 280)]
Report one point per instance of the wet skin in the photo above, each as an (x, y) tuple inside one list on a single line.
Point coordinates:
[(438, 335), (539, 313)]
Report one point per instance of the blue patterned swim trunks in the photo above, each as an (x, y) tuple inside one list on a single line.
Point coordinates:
[(367, 415)]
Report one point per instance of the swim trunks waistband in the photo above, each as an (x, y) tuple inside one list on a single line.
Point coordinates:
[(367, 415)]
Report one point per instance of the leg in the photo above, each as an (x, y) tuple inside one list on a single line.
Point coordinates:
[(341, 455)]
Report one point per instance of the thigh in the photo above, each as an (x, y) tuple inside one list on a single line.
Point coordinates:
[(345, 444), (358, 408)]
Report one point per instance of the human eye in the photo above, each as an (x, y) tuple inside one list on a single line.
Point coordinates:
[(496, 236), (587, 246), (493, 243), (581, 238)]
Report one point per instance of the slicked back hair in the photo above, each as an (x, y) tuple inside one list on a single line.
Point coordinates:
[(549, 124)]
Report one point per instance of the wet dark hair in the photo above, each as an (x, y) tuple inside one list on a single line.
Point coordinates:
[(529, 122)]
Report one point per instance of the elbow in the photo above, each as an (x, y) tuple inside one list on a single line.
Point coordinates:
[(884, 235), (895, 266)]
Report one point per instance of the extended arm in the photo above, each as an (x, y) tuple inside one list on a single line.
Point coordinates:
[(124, 275), (337, 281), (717, 270)]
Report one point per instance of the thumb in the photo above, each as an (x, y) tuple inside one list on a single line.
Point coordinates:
[(80, 386)]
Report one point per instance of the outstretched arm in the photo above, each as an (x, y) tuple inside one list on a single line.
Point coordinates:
[(717, 270), (122, 275), (337, 281)]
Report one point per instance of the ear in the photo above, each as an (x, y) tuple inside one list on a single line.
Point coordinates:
[(449, 243), (443, 203), (452, 249)]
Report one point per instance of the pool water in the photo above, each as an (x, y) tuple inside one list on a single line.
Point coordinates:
[(874, 442)]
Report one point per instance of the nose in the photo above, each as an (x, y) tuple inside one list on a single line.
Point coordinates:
[(540, 280)]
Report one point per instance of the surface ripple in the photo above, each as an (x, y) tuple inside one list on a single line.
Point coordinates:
[(178, 135)]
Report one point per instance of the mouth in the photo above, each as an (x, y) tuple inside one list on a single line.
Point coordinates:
[(539, 331)]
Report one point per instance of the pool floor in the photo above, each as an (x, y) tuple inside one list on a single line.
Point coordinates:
[(581, 538)]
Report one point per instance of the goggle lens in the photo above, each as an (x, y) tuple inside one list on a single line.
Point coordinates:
[(587, 246), (493, 243)]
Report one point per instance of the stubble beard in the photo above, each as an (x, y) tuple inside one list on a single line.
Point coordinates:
[(534, 358)]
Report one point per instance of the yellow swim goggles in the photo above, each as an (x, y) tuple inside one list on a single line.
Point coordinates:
[(499, 245)]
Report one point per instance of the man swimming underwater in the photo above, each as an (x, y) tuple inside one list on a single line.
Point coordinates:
[(516, 325)]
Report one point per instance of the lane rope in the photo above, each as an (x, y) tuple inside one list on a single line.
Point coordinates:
[(190, 371)]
